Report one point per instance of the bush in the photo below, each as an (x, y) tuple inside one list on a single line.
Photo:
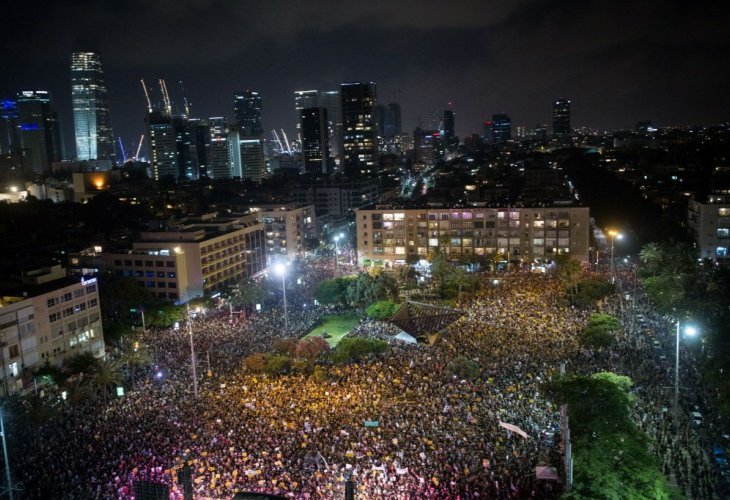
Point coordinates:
[(311, 347), (352, 349), (382, 310), (277, 364), (319, 373), (255, 362), (600, 331), (285, 346), (463, 368), (591, 291)]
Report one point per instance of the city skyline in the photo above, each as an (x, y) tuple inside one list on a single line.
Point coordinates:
[(486, 59)]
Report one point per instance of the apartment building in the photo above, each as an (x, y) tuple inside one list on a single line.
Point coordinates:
[(709, 226), (389, 234), (48, 318), (286, 227)]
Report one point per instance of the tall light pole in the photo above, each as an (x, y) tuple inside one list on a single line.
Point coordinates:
[(192, 354), (690, 331), (337, 261), (8, 481), (280, 269), (613, 234)]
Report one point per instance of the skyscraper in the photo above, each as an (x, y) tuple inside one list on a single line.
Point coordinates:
[(501, 128), (315, 140), (358, 127), (219, 149), (9, 139), (247, 110), (329, 100), (561, 118), (92, 123), (39, 131), (449, 132), (304, 99), (163, 146), (389, 120)]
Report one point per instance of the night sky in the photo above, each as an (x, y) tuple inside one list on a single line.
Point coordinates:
[(618, 61)]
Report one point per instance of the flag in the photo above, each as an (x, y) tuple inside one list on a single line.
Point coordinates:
[(513, 428)]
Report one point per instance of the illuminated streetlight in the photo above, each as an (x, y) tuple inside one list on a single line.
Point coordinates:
[(690, 331), (280, 269), (614, 235)]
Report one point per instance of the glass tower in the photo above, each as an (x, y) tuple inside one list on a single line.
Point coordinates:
[(92, 123)]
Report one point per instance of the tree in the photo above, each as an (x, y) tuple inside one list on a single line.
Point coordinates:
[(590, 291), (247, 293), (610, 453), (38, 413), (569, 271), (382, 310), (135, 355), (310, 348), (255, 362), (333, 291), (106, 375), (277, 364), (83, 363), (352, 349), (285, 346), (599, 331)]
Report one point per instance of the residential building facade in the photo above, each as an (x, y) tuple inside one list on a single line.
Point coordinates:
[(287, 227), (709, 225)]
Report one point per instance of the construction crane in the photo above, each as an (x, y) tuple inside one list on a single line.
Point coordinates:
[(124, 154), (139, 147), (165, 96), (147, 96), (288, 148), (185, 100), (276, 138)]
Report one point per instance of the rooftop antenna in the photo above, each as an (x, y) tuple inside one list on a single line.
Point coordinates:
[(147, 96)]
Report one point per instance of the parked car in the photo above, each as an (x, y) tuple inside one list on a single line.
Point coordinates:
[(696, 418)]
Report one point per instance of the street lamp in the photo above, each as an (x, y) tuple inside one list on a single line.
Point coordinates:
[(280, 269), (192, 354), (337, 262), (689, 331), (614, 235)]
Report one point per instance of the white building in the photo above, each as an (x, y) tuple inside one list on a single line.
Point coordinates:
[(709, 225), (286, 227), (49, 318)]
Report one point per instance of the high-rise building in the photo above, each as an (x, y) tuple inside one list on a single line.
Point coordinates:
[(187, 148), (201, 136), (426, 148), (247, 110), (92, 123), (253, 162), (561, 118), (501, 128), (330, 100), (358, 127), (389, 120), (163, 146), (304, 99), (315, 140), (449, 131), (9, 138), (39, 130), (219, 154)]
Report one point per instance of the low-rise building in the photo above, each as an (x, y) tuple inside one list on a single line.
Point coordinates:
[(709, 226), (390, 234), (49, 317)]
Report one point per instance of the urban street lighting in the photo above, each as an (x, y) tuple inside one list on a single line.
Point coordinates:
[(280, 269), (337, 262), (192, 354), (689, 331), (614, 235)]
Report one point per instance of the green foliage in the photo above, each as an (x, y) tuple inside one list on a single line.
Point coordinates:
[(81, 363), (246, 293), (366, 288), (334, 291), (382, 310), (600, 331), (610, 454), (277, 364), (319, 373), (352, 349), (463, 368), (568, 270), (590, 291), (50, 374)]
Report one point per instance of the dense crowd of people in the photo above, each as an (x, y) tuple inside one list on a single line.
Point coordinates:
[(399, 426)]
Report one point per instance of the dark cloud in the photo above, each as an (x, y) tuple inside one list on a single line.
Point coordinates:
[(618, 61)]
